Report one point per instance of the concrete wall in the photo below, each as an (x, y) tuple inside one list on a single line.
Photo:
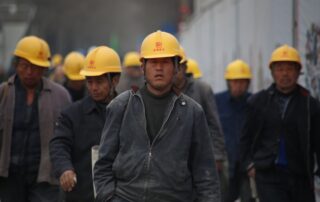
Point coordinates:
[(11, 33), (223, 30)]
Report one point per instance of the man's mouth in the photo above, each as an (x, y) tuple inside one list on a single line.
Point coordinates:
[(158, 76)]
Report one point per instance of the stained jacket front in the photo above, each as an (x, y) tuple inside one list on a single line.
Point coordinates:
[(176, 166)]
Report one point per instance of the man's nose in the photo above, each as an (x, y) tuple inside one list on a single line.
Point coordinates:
[(29, 70), (159, 66)]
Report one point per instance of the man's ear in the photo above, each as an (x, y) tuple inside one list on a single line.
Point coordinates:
[(115, 80), (143, 67)]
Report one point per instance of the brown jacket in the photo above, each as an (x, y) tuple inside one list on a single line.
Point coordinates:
[(53, 98)]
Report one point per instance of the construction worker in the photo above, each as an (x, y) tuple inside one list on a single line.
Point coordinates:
[(79, 126), (281, 134), (74, 83), (29, 106), (56, 73), (193, 69), (202, 93), (232, 106), (133, 73), (156, 145), (56, 60)]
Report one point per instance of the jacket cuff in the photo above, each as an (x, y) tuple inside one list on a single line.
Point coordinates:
[(62, 169), (250, 166), (219, 157)]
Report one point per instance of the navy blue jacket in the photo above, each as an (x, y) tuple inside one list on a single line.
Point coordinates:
[(232, 114)]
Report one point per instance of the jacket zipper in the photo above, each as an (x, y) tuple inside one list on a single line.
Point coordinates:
[(151, 144), (166, 119), (149, 153)]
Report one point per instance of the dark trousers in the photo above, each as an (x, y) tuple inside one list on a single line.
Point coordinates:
[(238, 187), (278, 185), (24, 188)]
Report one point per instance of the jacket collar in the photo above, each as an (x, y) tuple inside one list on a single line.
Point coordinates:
[(136, 91), (189, 83), (299, 89), (176, 97), (242, 99), (46, 84), (89, 105)]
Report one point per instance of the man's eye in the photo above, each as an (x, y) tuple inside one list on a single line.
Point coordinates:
[(23, 66)]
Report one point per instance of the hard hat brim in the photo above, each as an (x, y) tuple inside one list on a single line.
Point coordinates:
[(284, 60), (99, 73), (197, 76), (159, 56), (75, 77), (45, 64), (237, 77)]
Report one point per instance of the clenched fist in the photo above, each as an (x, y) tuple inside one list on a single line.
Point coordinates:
[(68, 180)]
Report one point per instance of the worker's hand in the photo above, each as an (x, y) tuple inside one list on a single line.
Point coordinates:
[(252, 172), (68, 180), (219, 165)]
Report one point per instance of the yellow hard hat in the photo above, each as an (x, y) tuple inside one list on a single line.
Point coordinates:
[(183, 55), (193, 68), (72, 66), (57, 60), (238, 69), (35, 50), (285, 53), (101, 60), (159, 45), (131, 59)]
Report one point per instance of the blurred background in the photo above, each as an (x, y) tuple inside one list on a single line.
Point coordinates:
[(214, 32)]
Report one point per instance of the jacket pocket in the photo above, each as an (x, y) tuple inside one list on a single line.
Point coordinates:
[(126, 167)]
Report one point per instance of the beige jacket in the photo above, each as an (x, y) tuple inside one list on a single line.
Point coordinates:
[(53, 98)]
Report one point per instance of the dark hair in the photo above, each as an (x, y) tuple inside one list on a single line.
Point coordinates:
[(114, 74)]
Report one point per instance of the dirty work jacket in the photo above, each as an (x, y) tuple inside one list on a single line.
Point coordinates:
[(78, 129), (178, 163), (259, 142), (52, 99), (202, 93)]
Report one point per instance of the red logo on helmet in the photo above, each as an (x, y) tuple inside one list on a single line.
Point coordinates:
[(91, 65), (285, 54), (158, 47), (40, 55)]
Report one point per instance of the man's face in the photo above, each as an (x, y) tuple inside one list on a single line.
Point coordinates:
[(98, 87), (134, 71), (29, 74), (285, 75), (238, 87), (159, 73)]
